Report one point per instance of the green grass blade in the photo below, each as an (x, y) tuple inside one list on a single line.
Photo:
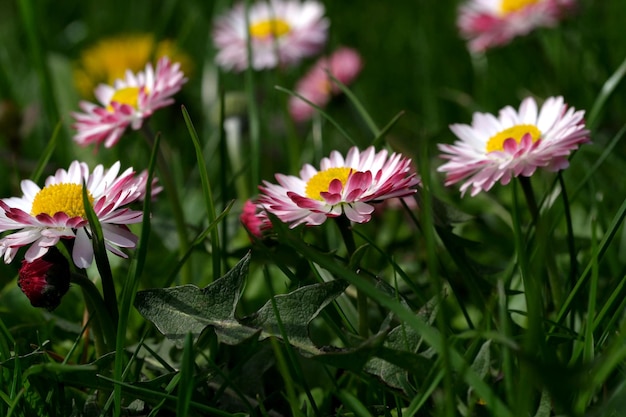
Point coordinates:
[(208, 195), (367, 118), (607, 89), (430, 335), (31, 25), (383, 132), (606, 152), (46, 154), (322, 112), (100, 255), (186, 384), (132, 281), (604, 244)]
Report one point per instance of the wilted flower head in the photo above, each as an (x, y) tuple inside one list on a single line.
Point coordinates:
[(128, 102), (44, 216), (254, 218), (489, 23), (342, 186), (110, 58), (516, 143), (317, 86), (282, 32), (45, 280)]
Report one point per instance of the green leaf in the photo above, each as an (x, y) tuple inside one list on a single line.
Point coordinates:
[(398, 356), (188, 309), (296, 311)]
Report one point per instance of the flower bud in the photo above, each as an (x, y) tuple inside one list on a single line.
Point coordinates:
[(254, 219), (45, 280)]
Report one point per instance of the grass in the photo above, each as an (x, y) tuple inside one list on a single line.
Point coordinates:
[(475, 306)]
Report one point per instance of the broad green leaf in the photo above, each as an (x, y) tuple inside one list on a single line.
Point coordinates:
[(296, 311), (188, 309), (398, 356)]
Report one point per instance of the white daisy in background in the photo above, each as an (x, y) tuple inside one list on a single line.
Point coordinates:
[(281, 33), (516, 143), (44, 216), (127, 103), (489, 23), (342, 186)]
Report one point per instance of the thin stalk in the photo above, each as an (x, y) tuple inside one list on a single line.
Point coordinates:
[(570, 232), (207, 194), (103, 331), (428, 228), (505, 328), (343, 223), (253, 110), (172, 191), (534, 305), (530, 197)]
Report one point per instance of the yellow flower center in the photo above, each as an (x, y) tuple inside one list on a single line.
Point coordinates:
[(320, 182), (496, 142), (271, 27), (127, 95), (66, 198), (510, 6)]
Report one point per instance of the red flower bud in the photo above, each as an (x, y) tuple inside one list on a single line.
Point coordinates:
[(45, 280)]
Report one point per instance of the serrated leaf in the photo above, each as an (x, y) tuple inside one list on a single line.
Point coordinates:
[(188, 309), (482, 362), (352, 359), (398, 356), (296, 309)]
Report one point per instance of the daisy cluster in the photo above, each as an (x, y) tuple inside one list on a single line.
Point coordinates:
[(280, 34)]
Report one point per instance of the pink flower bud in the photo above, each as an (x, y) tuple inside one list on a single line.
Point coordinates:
[(45, 280)]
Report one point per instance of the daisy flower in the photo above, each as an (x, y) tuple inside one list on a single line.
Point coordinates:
[(488, 23), (516, 143), (44, 216), (342, 186), (127, 103), (110, 58), (281, 33), (316, 86)]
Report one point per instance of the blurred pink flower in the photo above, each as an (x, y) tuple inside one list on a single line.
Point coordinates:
[(281, 33), (489, 23), (516, 143), (343, 186), (127, 103), (316, 86), (254, 218)]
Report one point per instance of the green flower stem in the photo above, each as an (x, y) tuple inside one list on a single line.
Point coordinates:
[(361, 298), (553, 272), (533, 338), (170, 189), (527, 188), (573, 272), (103, 328)]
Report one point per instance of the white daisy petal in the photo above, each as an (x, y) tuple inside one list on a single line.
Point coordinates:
[(127, 103), (41, 217), (526, 140), (340, 187)]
